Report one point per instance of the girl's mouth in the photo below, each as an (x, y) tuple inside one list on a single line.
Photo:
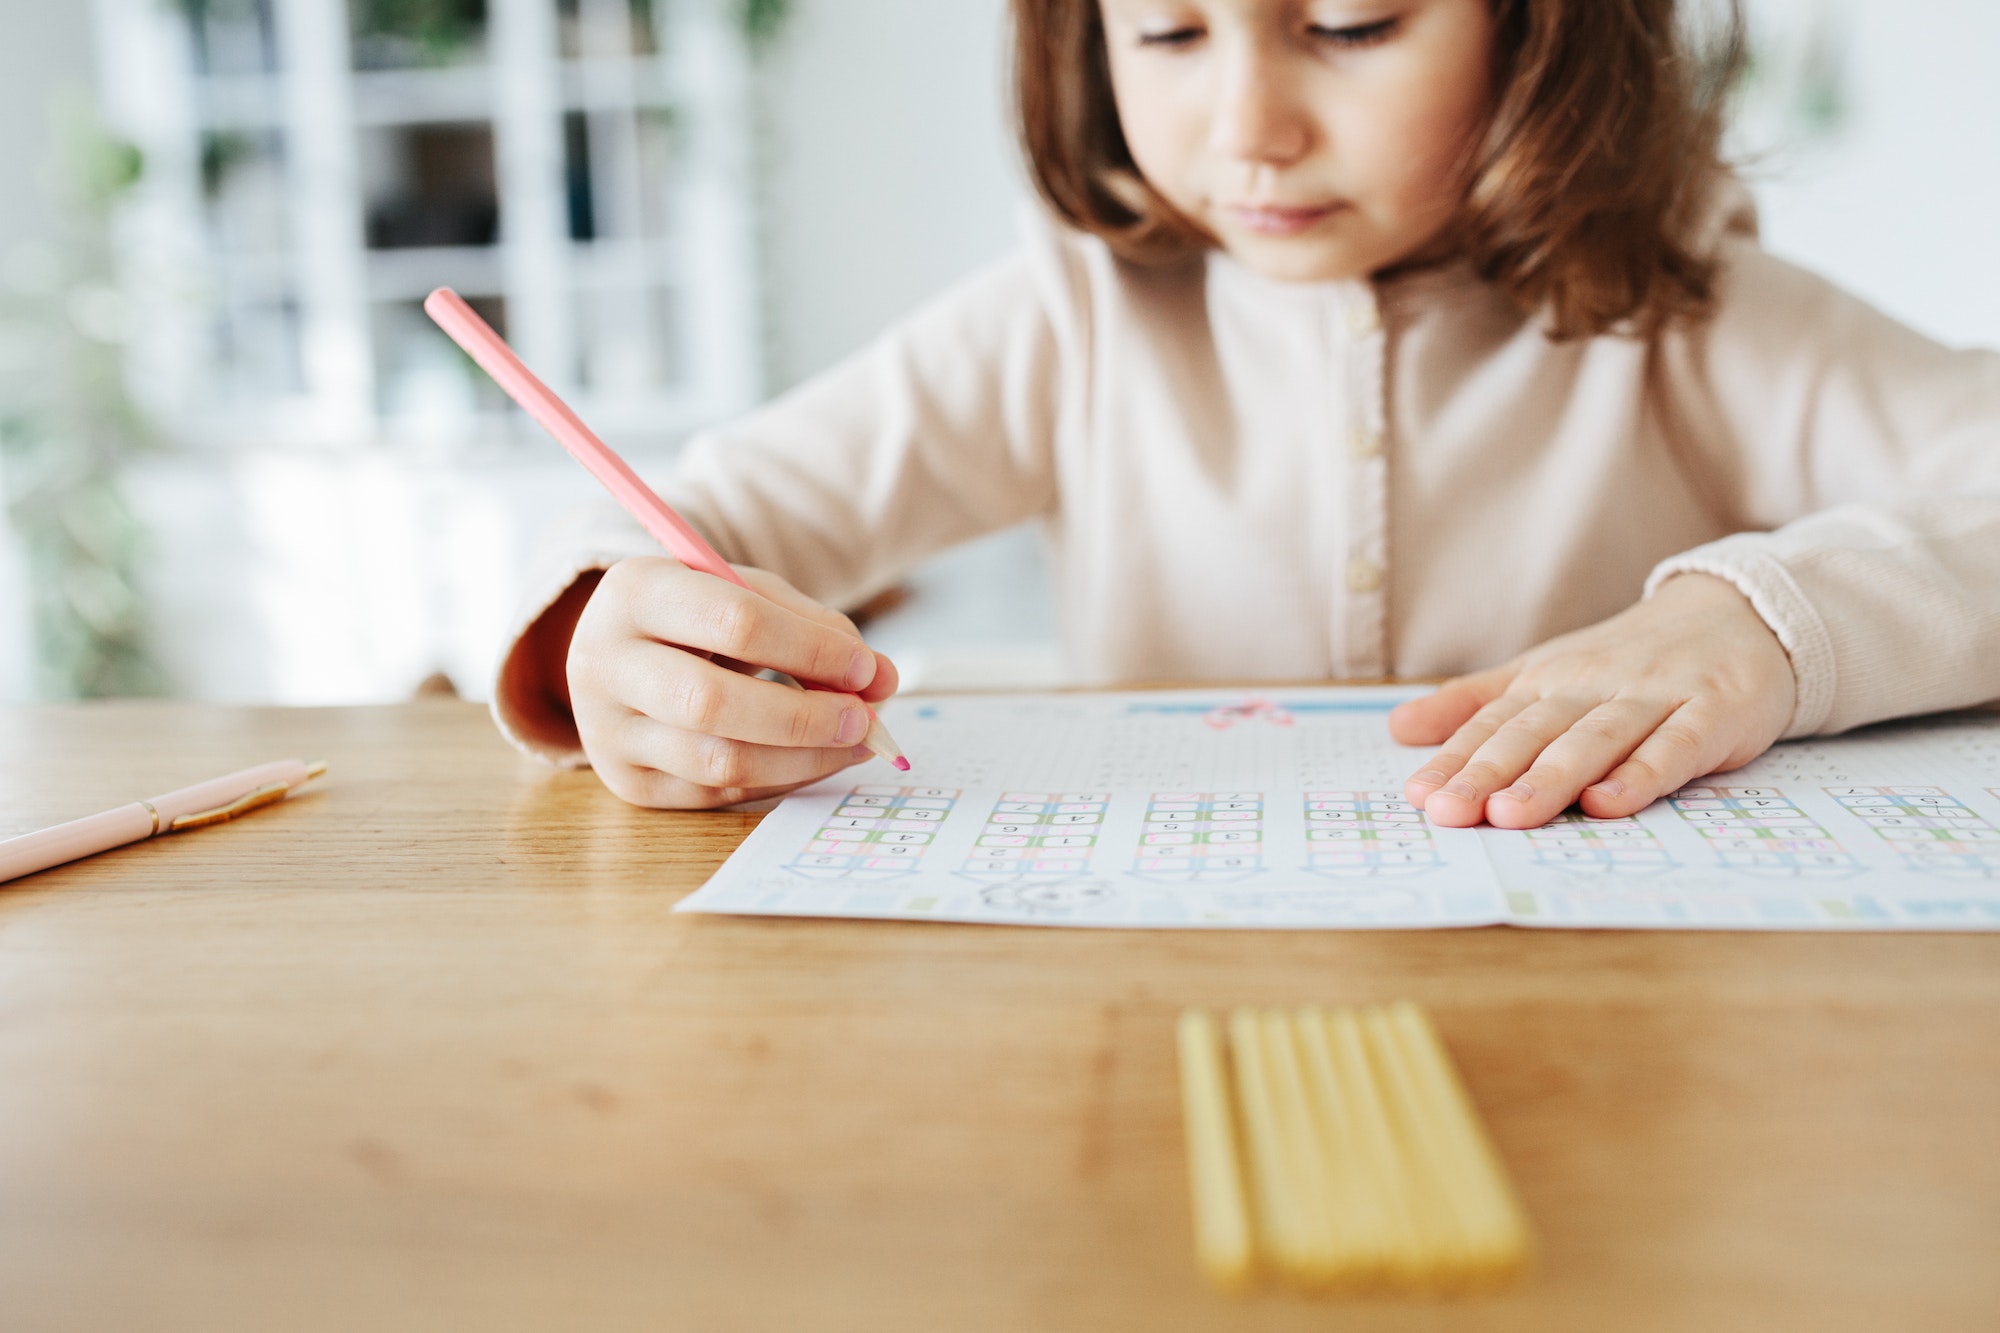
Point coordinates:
[(1280, 219)]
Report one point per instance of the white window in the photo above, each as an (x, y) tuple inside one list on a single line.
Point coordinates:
[(578, 169), (351, 501)]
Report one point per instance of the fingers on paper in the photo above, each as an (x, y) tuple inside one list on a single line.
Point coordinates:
[(1434, 717), (1461, 744), (1490, 752), (1520, 763), (1580, 754), (1689, 743)]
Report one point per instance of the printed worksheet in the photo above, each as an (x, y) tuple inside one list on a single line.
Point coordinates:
[(1284, 809)]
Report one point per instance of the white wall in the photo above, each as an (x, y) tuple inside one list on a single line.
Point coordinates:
[(1903, 206), (892, 173), (892, 169), (46, 48)]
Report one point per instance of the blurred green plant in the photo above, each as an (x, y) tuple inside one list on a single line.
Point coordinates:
[(442, 31), (438, 31), (68, 429), (763, 20), (1795, 92), (1807, 77)]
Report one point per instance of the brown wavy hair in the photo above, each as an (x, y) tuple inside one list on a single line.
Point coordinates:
[(1582, 197)]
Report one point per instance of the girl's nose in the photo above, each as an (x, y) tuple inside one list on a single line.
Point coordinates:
[(1257, 117)]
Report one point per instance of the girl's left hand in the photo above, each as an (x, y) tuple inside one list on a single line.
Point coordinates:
[(1688, 682)]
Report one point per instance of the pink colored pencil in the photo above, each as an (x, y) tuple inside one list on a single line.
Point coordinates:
[(672, 531)]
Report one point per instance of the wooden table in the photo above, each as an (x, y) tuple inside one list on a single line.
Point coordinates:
[(428, 1050)]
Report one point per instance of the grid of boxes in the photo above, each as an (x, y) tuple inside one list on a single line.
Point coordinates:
[(1580, 844), (1367, 833), (1935, 832), (876, 831), (1202, 835), (1039, 833), (1760, 831)]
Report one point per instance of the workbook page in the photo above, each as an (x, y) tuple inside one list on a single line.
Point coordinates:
[(1285, 809), (1896, 827), (1184, 809)]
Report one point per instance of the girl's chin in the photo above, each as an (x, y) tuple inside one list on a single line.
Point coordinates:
[(1315, 256), (1295, 259)]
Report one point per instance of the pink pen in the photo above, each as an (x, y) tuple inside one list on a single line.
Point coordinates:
[(205, 803), (669, 529)]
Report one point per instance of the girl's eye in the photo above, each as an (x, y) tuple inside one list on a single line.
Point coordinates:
[(1171, 37), (1361, 34)]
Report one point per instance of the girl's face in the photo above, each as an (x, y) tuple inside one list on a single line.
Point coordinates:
[(1314, 139)]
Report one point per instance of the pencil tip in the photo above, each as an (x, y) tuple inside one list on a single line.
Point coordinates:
[(901, 763)]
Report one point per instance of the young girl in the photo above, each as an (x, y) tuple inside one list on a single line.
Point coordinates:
[(1366, 338)]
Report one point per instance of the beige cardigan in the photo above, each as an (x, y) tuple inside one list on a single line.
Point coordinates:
[(1245, 479)]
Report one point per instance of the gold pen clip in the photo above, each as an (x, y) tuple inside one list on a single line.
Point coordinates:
[(242, 805), (269, 794)]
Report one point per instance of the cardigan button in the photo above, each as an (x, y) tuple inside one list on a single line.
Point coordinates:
[(1363, 575), (1364, 316), (1365, 443)]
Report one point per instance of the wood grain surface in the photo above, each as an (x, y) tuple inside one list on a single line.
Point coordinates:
[(427, 1049)]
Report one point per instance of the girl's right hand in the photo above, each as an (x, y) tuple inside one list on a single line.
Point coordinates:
[(660, 683)]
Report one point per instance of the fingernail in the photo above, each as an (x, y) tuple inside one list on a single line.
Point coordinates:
[(1520, 791), (862, 754), (1430, 777), (861, 670), (1609, 787), (1461, 789), (853, 725)]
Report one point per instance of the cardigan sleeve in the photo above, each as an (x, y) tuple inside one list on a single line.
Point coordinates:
[(1858, 464), (939, 431)]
